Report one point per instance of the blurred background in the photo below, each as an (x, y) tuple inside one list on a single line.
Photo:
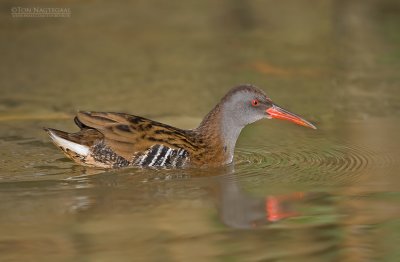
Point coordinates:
[(134, 56), (335, 62)]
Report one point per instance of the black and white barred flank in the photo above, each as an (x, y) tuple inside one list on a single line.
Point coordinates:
[(162, 156), (155, 156)]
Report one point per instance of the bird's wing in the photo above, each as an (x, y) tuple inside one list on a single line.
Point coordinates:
[(128, 135)]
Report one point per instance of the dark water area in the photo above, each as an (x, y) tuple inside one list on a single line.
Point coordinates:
[(293, 194)]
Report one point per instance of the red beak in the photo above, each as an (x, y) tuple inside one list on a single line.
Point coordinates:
[(276, 112)]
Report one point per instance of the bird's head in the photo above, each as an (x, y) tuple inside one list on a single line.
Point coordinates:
[(246, 104)]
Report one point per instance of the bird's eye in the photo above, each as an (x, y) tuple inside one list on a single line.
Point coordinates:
[(254, 102)]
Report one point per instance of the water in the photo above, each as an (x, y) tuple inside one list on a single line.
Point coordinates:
[(294, 194)]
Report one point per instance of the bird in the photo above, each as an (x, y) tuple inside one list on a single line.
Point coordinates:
[(117, 140)]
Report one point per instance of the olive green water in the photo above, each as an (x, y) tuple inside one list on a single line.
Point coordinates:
[(294, 194)]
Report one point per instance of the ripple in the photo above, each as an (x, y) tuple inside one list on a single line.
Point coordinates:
[(314, 161)]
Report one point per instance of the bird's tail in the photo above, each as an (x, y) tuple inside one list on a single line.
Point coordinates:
[(68, 143)]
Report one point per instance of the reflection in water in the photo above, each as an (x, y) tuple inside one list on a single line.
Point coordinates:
[(136, 208), (239, 209), (182, 207), (236, 207)]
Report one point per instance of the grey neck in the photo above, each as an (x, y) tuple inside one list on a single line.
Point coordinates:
[(230, 132), (222, 126), (221, 130)]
